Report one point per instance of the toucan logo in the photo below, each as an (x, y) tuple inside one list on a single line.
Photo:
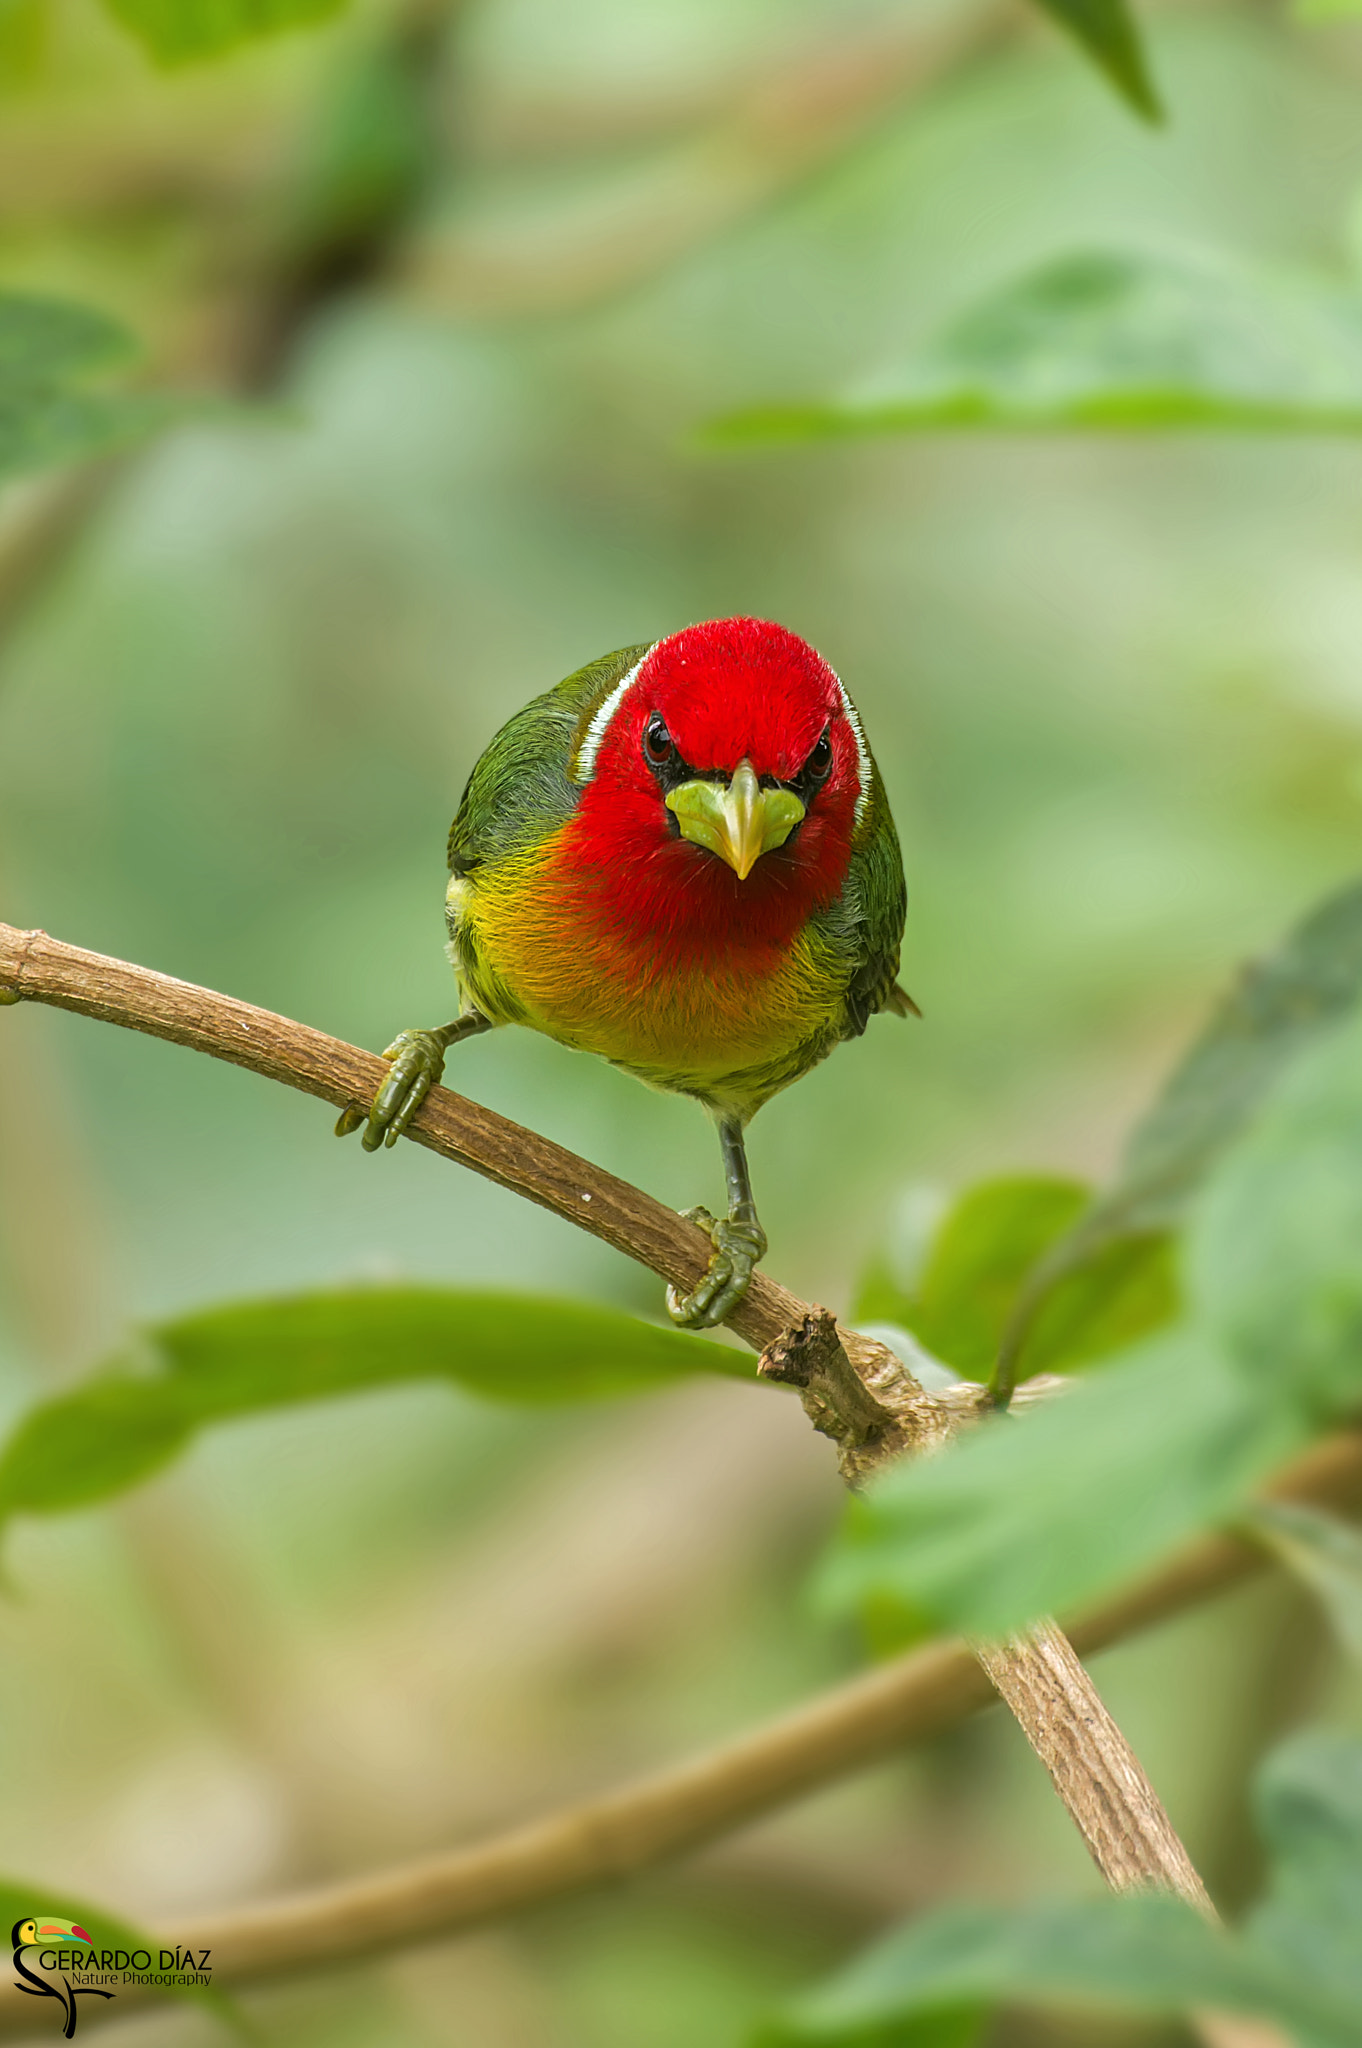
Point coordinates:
[(59, 1949)]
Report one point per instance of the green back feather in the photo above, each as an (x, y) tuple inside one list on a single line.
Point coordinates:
[(862, 932), (520, 790)]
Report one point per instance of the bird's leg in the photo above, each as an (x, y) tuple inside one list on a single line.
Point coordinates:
[(738, 1239), (418, 1059)]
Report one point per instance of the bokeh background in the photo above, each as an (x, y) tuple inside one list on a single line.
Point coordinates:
[(470, 333)]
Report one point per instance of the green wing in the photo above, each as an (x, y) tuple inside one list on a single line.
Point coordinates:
[(520, 790), (864, 928)]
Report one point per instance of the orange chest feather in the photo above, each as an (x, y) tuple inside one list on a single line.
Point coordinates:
[(537, 943)]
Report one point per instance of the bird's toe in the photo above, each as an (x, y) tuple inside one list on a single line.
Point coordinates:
[(738, 1246), (418, 1061)]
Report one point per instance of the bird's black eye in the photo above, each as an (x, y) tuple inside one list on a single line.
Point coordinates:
[(657, 741), (820, 760)]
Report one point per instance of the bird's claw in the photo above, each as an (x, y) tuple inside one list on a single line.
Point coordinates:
[(418, 1061), (738, 1246)]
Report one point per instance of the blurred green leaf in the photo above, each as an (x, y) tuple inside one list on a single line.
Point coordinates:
[(1324, 1553), (888, 1624), (1296, 1962), (366, 155), (113, 1431), (1277, 1011), (48, 339), (1308, 1804), (1262, 1125), (879, 1296), (25, 34), (47, 349), (1122, 1291), (946, 2027), (1280, 1006), (981, 1255), (1274, 1265), (1045, 1510), (20, 1900), (1113, 340), (185, 31), (1106, 29), (1141, 1953)]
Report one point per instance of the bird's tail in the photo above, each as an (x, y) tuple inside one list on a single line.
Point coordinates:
[(901, 1003)]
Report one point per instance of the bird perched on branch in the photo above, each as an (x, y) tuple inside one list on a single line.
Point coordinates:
[(681, 859)]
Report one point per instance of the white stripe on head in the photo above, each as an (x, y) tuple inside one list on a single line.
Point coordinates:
[(863, 770), (584, 767)]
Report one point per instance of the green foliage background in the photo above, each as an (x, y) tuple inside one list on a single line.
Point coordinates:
[(1113, 684)]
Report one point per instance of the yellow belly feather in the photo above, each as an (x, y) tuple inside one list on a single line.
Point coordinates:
[(525, 954)]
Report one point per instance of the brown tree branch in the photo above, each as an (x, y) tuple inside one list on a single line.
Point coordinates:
[(1091, 1765), (36, 968)]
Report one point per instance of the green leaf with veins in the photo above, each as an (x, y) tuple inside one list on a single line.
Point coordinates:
[(188, 31), (1106, 30), (1116, 340), (48, 353), (1296, 1962), (132, 1419)]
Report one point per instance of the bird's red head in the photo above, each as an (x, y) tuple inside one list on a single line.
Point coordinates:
[(723, 782)]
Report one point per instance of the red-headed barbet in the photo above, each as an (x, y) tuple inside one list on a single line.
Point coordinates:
[(681, 859)]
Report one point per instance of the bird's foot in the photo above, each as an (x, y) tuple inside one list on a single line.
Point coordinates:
[(418, 1061), (738, 1246)]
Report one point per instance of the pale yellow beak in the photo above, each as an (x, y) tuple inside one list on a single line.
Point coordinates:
[(739, 823)]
